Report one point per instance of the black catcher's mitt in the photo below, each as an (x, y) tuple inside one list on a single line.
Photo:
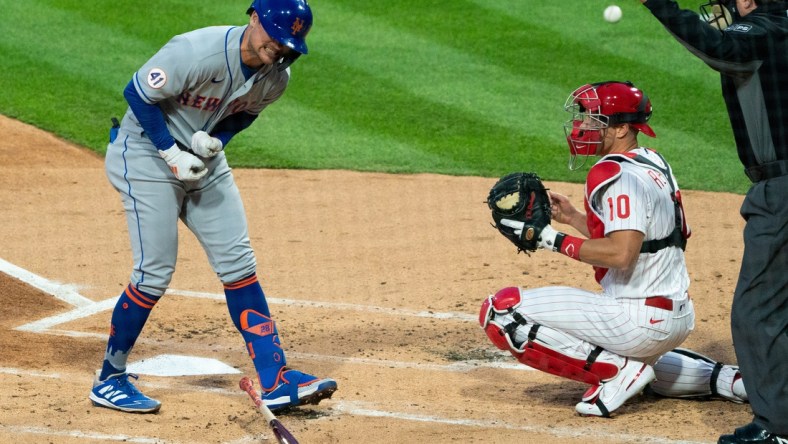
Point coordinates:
[(522, 199)]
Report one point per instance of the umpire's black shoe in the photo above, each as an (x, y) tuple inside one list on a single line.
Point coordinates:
[(752, 434)]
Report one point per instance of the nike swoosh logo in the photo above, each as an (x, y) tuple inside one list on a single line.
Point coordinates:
[(653, 321), (213, 80)]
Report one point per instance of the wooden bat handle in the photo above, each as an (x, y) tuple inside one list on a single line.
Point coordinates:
[(280, 432), (247, 386)]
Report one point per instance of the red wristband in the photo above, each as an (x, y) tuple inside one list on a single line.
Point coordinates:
[(570, 246)]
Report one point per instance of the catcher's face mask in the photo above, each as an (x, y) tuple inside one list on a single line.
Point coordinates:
[(598, 106), (584, 130), (718, 13)]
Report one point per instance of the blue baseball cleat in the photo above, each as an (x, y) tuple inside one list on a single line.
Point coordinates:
[(295, 388), (117, 392)]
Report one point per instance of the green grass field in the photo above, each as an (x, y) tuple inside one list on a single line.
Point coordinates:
[(461, 87)]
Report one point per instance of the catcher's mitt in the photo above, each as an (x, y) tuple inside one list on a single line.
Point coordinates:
[(522, 200)]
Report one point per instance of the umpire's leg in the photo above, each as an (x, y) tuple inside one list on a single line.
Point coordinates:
[(759, 316)]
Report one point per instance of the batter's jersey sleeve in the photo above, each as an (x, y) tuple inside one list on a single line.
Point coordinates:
[(167, 73)]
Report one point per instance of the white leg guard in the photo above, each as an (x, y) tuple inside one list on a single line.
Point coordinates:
[(683, 373)]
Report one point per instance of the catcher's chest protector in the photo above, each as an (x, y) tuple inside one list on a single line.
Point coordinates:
[(608, 170)]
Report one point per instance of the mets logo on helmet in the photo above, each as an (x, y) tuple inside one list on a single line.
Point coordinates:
[(298, 25)]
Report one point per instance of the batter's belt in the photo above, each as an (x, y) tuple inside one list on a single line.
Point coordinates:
[(183, 147)]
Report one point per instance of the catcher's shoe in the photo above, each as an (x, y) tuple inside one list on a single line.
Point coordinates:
[(295, 388), (752, 434), (117, 392), (601, 400)]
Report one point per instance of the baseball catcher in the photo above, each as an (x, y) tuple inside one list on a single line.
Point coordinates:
[(633, 232), (520, 209)]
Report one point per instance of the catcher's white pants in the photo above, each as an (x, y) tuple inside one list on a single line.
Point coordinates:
[(575, 321)]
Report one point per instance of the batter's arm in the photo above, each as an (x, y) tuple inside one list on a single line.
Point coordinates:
[(150, 118), (232, 125)]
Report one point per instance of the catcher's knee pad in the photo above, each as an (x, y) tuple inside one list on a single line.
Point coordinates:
[(504, 302), (262, 342)]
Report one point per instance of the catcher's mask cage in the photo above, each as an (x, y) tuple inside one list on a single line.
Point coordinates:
[(286, 21), (595, 107), (718, 13)]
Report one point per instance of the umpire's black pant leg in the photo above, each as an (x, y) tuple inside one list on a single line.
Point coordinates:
[(759, 316)]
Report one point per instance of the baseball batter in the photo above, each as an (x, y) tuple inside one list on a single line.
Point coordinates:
[(623, 338), (167, 162)]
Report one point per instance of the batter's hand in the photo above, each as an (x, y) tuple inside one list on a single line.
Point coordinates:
[(204, 145), (186, 166)]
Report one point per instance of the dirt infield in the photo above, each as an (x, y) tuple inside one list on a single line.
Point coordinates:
[(375, 280)]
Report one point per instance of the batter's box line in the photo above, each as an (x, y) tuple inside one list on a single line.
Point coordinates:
[(42, 325), (81, 434), (359, 408), (87, 307), (342, 306), (373, 410), (66, 293)]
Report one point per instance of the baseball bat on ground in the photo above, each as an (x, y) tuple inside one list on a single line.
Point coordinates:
[(280, 432)]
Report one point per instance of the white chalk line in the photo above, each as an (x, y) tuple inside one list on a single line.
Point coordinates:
[(455, 367), (66, 293), (341, 306), (18, 372), (366, 409), (95, 436), (358, 408), (42, 325), (87, 307), (45, 324), (460, 366)]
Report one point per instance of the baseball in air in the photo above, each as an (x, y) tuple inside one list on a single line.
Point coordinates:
[(612, 14)]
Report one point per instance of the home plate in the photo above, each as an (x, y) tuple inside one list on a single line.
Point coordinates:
[(178, 365)]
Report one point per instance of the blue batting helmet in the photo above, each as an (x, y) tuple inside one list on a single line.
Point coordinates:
[(286, 21)]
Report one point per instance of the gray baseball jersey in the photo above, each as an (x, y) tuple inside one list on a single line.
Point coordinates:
[(196, 80)]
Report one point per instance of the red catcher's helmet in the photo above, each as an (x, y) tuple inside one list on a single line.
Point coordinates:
[(597, 106)]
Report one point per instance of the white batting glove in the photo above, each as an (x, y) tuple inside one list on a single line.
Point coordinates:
[(204, 145), (186, 166)]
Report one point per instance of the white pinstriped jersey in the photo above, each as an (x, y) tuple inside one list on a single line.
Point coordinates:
[(628, 195), (642, 314)]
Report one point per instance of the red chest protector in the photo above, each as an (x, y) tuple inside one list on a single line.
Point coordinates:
[(607, 171)]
